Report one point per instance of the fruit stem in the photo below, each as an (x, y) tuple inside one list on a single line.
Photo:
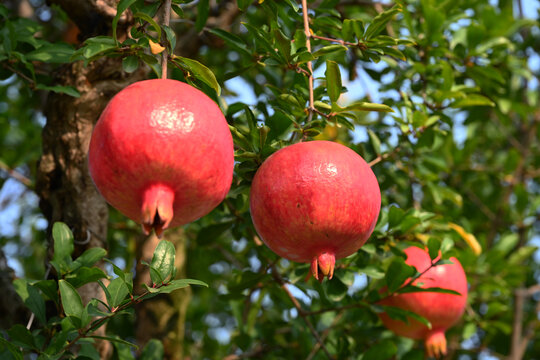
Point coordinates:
[(157, 208), (325, 263), (435, 344)]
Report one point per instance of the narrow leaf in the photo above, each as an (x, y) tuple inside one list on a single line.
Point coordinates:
[(413, 289), (329, 49), (333, 80), (203, 8), (122, 6), (380, 21), (472, 100), (199, 71), (375, 141), (366, 106)]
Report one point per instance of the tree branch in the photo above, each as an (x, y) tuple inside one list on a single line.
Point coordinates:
[(301, 311)]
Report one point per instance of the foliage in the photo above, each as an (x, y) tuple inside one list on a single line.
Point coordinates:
[(441, 97)]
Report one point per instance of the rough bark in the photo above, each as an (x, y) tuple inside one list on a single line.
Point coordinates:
[(163, 317)]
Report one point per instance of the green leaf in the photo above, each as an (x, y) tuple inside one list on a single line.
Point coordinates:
[(174, 285), (336, 290), (71, 300), (366, 106), (390, 51), (171, 37), (163, 260), (352, 29), (52, 53), (89, 257), (243, 4), (472, 100), (15, 351), (97, 46), (404, 315), (203, 8), (32, 298), (153, 350), (397, 273), (63, 247), (333, 80), (85, 275), (375, 141), (383, 350), (372, 272), (434, 245), (231, 39), (283, 44), (114, 339), (49, 288), (118, 291), (130, 63), (151, 21), (199, 71), (415, 289), (4, 12), (380, 21), (69, 90), (329, 49), (293, 4), (122, 6), (212, 232), (21, 336)]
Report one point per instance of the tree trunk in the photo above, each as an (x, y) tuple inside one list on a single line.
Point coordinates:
[(63, 184)]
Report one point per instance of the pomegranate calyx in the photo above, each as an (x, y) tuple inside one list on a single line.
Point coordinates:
[(435, 343), (157, 208), (323, 266)]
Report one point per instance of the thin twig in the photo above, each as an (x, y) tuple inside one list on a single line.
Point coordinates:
[(307, 31), (21, 74), (301, 311), (360, 44), (384, 156), (166, 21), (325, 335), (16, 175)]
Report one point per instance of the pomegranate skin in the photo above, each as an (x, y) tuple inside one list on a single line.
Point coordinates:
[(442, 310), (315, 202), (162, 154)]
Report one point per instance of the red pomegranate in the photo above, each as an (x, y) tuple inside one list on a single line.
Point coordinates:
[(315, 202), (162, 154), (442, 310)]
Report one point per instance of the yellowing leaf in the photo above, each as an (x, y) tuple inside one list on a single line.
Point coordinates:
[(422, 237), (469, 238), (155, 48)]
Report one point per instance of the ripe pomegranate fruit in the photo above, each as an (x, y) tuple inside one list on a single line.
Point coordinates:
[(315, 202), (442, 310), (162, 154)]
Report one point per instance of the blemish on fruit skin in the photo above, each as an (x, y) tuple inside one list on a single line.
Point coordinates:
[(167, 119)]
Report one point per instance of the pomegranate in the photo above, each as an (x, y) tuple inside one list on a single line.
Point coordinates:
[(315, 202), (162, 154), (442, 310)]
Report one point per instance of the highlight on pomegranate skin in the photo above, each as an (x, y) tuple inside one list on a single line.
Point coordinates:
[(315, 202), (440, 309), (162, 154)]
